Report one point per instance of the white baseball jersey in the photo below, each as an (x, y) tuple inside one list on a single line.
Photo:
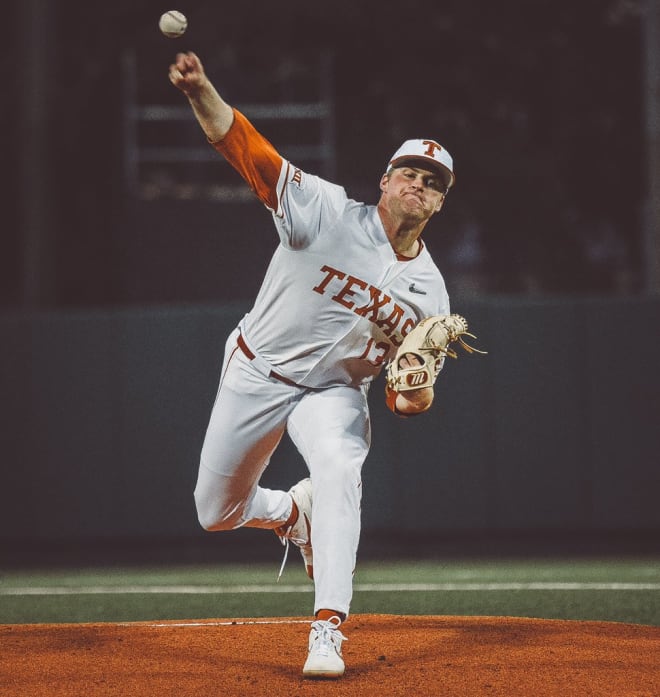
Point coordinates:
[(336, 300), (335, 304)]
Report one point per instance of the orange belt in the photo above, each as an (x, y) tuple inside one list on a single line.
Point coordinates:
[(244, 347)]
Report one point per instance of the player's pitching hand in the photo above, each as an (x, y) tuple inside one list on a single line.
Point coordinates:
[(187, 73)]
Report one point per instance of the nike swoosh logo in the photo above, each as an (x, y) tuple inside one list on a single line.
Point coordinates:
[(412, 289)]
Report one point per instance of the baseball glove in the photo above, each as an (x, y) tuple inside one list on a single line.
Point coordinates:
[(429, 342)]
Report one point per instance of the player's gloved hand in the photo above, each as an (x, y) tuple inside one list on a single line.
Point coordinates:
[(417, 363)]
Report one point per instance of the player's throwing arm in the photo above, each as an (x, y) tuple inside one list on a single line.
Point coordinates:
[(215, 116)]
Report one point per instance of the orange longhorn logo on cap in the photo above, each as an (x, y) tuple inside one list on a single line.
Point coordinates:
[(432, 147)]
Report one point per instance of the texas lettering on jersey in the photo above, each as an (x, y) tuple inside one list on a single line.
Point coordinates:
[(378, 309)]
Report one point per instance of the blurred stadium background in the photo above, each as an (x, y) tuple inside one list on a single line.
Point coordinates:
[(129, 249), (550, 112)]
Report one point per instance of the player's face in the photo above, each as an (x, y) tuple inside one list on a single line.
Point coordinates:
[(413, 191)]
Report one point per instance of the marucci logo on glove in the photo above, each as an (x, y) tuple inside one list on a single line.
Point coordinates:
[(417, 379)]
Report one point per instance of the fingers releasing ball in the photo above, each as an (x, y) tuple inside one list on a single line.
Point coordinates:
[(173, 24)]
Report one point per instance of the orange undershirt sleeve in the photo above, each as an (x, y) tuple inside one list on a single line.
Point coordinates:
[(253, 157)]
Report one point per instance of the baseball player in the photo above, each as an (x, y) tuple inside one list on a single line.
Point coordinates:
[(347, 283)]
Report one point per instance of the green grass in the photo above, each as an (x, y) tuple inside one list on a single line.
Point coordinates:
[(641, 606)]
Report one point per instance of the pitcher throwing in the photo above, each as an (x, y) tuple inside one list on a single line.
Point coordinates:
[(346, 285)]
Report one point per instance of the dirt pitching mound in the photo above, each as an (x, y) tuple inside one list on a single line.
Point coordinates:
[(386, 655)]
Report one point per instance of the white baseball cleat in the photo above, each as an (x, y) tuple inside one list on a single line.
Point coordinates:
[(325, 658), (300, 533)]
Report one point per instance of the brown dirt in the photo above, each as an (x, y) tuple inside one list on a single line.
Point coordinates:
[(386, 655)]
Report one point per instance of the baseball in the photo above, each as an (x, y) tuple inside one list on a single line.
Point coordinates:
[(173, 24)]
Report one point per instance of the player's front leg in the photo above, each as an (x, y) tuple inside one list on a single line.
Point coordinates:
[(331, 430)]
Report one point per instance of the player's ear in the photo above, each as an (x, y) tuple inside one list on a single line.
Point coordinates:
[(383, 181)]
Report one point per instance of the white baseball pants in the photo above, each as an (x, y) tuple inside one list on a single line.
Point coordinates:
[(330, 428)]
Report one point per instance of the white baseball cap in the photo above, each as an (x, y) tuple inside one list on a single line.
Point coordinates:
[(423, 153)]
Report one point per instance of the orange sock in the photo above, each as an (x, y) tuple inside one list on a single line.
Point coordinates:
[(293, 517), (330, 615)]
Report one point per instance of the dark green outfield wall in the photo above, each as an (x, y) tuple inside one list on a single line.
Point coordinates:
[(103, 415)]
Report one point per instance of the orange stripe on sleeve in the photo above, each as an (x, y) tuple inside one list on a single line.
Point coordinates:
[(253, 157)]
